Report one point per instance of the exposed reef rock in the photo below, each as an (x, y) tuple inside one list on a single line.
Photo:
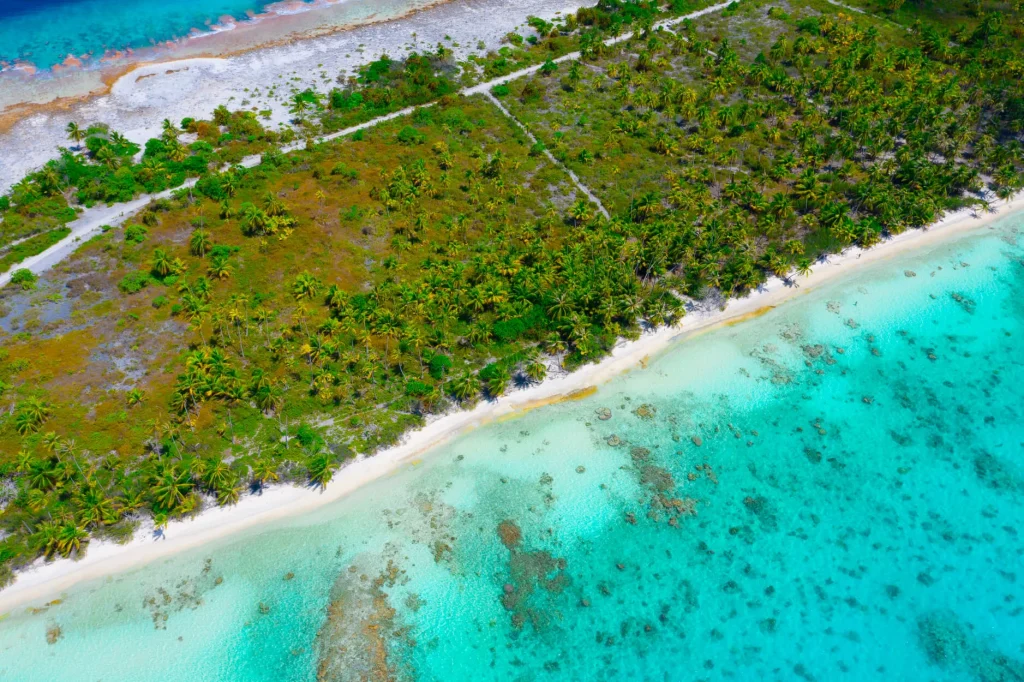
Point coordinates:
[(353, 643), (645, 411)]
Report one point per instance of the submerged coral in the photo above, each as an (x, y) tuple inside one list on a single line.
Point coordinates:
[(528, 571), (948, 644), (354, 642)]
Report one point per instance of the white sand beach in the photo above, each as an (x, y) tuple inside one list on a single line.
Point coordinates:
[(47, 580)]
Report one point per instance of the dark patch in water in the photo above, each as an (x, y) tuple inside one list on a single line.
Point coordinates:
[(529, 571), (760, 507), (948, 644), (510, 534), (995, 473), (663, 503), (187, 593)]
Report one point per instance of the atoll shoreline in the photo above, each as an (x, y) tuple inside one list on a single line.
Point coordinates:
[(256, 55), (254, 31), (47, 580)]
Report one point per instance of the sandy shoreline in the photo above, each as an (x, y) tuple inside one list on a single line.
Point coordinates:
[(27, 92), (47, 580), (279, 23)]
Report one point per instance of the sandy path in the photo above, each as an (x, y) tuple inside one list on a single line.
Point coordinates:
[(551, 157), (45, 580)]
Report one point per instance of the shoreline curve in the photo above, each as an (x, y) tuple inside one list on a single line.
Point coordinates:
[(44, 580)]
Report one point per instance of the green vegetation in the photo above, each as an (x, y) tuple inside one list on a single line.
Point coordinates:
[(31, 246), (100, 168), (385, 86), (320, 304), (26, 279), (819, 136)]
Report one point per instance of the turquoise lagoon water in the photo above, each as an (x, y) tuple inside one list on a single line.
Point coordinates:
[(853, 511), (45, 32)]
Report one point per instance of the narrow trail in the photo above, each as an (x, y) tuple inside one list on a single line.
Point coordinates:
[(847, 7), (92, 221), (579, 184)]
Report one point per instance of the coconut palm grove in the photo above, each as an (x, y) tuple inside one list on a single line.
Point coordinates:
[(290, 300)]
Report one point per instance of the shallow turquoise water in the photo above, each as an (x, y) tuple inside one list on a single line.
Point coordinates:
[(853, 512), (45, 32)]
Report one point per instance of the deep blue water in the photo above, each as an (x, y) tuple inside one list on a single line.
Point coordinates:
[(45, 32), (831, 491)]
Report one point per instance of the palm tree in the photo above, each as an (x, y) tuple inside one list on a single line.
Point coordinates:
[(780, 207), (254, 220), (580, 211), (480, 332), (536, 371), (162, 263), (575, 72), (219, 267), (169, 129), (273, 206), (268, 398), (96, 508), (225, 210), (30, 415), (109, 158), (75, 134), (464, 387), (803, 266), (321, 468), (47, 538), (807, 187), (218, 475), (228, 495), (199, 243), (50, 180), (70, 537), (647, 205), (306, 285), (498, 382), (25, 461), (298, 107), (176, 151), (554, 343), (170, 486), (264, 471), (336, 297)]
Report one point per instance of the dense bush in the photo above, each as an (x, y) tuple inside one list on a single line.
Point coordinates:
[(135, 234), (24, 278), (134, 282)]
